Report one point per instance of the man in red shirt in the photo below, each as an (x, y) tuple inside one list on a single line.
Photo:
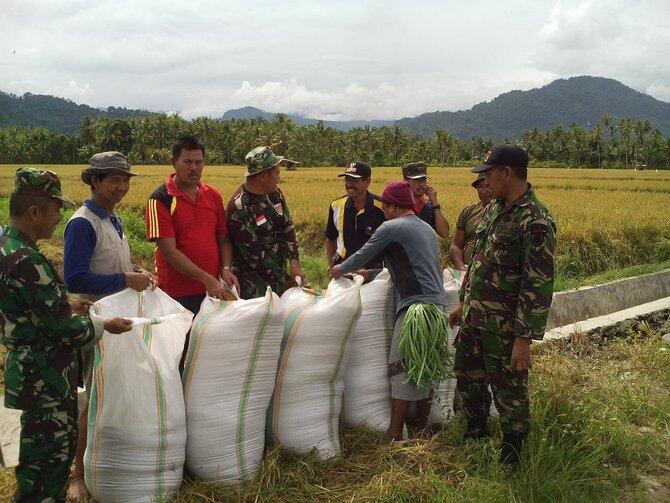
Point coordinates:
[(187, 221)]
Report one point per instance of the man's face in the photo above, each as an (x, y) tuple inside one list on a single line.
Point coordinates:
[(112, 188), (356, 186), (418, 186), (390, 210), (496, 180), (46, 218), (188, 167), (270, 179), (484, 192)]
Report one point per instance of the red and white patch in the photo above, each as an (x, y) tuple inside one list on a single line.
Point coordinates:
[(260, 219), (279, 209)]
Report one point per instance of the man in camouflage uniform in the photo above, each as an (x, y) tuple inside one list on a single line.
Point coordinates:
[(42, 331), (505, 300), (261, 229)]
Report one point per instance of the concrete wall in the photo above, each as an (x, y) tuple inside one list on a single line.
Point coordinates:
[(586, 302)]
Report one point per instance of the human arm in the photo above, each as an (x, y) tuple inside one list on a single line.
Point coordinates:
[(456, 249), (226, 255), (287, 232), (441, 224), (537, 280), (374, 246), (331, 234), (331, 249)]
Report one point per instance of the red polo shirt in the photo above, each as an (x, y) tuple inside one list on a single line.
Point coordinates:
[(194, 225)]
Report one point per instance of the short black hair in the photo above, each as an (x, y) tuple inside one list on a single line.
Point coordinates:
[(20, 201), (521, 172), (189, 142)]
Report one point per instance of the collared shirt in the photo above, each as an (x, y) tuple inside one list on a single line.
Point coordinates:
[(509, 286), (195, 226), (352, 228), (263, 237), (425, 211), (80, 241), (37, 327)]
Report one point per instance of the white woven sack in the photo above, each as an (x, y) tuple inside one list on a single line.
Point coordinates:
[(229, 377), (305, 409), (367, 391), (136, 420)]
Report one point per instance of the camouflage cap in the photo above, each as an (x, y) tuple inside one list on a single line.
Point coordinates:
[(415, 170), (43, 179), (261, 159), (481, 176), (106, 162)]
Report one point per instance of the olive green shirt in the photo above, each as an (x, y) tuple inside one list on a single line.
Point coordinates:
[(468, 221)]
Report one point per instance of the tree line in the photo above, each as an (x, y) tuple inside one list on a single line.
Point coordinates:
[(612, 143)]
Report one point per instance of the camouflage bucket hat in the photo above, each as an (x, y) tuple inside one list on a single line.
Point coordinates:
[(261, 159), (415, 170), (43, 179), (106, 162)]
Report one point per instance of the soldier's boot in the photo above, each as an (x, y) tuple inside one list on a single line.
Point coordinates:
[(477, 429), (510, 451)]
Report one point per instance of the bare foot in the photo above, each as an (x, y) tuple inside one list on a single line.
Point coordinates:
[(76, 490)]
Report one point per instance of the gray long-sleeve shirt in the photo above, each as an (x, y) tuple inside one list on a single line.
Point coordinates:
[(409, 247)]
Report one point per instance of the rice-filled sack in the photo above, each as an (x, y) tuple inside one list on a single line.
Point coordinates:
[(305, 410), (229, 377), (136, 421)]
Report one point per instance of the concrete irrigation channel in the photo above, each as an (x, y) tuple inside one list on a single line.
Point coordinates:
[(610, 309)]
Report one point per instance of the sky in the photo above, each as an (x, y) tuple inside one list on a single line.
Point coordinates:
[(336, 59)]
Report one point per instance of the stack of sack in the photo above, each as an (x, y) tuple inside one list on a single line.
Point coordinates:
[(229, 377), (136, 421), (367, 390), (305, 409)]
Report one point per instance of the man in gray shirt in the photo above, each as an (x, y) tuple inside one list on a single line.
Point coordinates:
[(410, 251)]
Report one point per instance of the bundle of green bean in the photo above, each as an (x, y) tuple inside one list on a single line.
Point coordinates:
[(424, 344)]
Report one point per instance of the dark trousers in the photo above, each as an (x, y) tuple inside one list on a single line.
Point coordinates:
[(46, 451), (192, 303)]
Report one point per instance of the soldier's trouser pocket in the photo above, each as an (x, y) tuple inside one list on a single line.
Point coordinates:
[(47, 447)]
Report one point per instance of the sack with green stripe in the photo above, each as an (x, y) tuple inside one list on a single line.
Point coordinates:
[(367, 390), (136, 418), (229, 376), (305, 410)]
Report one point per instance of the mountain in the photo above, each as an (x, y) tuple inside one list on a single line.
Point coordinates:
[(580, 100), (56, 114), (252, 113)]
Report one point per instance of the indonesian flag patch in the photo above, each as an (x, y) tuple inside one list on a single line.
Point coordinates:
[(260, 219), (279, 209)]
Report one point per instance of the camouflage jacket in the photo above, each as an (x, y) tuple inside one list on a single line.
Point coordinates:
[(263, 237), (37, 327), (510, 281)]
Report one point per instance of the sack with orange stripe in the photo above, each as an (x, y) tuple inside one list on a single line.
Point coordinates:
[(305, 409), (229, 376), (136, 420)]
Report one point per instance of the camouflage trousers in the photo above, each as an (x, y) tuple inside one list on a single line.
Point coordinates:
[(254, 285), (483, 358), (46, 450)]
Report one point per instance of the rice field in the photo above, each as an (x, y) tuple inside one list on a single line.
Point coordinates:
[(607, 219)]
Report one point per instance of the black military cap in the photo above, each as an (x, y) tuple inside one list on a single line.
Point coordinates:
[(357, 169), (503, 154), (415, 170)]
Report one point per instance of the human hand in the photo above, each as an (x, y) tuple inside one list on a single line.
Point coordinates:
[(521, 354), (80, 306), (138, 281), (432, 194), (365, 274), (230, 279), (118, 325), (456, 315), (214, 287), (335, 272), (296, 270), (153, 280)]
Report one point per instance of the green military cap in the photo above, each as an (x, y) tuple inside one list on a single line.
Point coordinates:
[(43, 179), (106, 162), (415, 170), (261, 159)]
